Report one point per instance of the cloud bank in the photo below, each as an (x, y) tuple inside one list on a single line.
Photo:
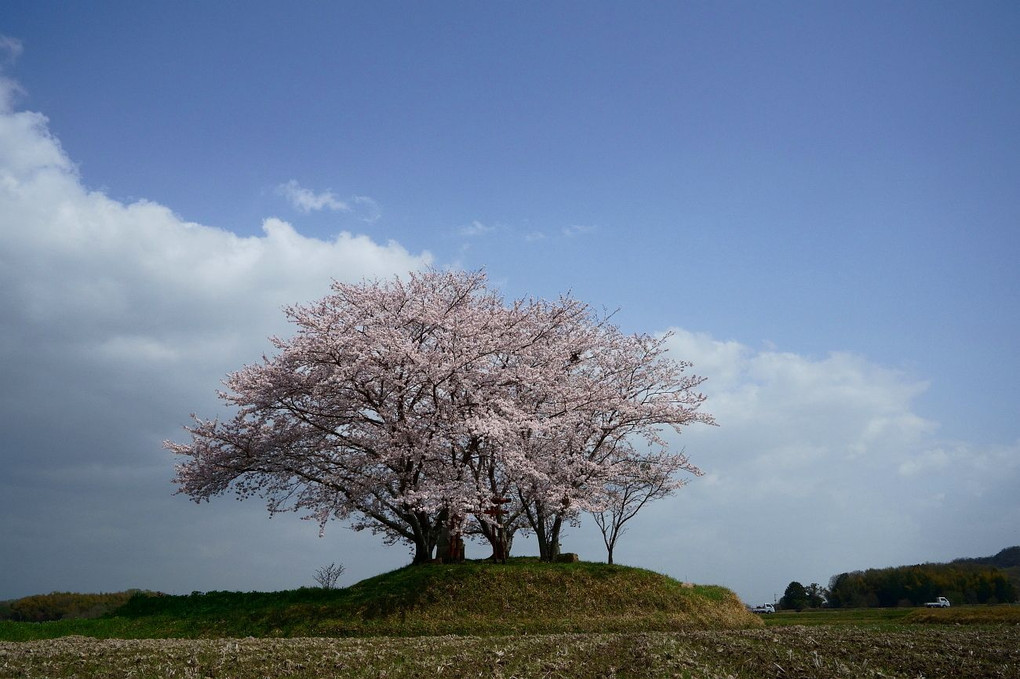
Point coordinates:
[(819, 466), (119, 319)]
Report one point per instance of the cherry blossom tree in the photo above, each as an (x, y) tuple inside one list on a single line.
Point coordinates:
[(605, 426), (425, 407), (633, 486)]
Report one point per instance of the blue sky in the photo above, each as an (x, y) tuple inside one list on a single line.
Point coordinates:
[(820, 199)]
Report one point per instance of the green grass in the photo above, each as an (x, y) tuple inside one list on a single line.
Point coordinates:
[(896, 618), (874, 617), (524, 596), (524, 619)]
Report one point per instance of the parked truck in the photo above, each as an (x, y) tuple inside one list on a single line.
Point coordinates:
[(940, 602), (764, 608)]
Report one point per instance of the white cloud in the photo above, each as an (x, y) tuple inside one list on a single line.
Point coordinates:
[(819, 465), (367, 209), (26, 147), (119, 320), (476, 228), (977, 468), (88, 278), (934, 460), (10, 49), (577, 230), (73, 253), (306, 201)]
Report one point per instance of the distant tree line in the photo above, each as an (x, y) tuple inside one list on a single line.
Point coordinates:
[(62, 605), (798, 597), (915, 585), (1005, 559)]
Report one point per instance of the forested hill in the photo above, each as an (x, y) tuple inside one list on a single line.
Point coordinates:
[(1007, 561), (1007, 558), (993, 579)]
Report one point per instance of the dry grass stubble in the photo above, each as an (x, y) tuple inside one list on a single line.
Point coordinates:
[(831, 652)]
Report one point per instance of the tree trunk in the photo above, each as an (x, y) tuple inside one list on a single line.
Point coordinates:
[(548, 527), (426, 534), (548, 531), (543, 542), (610, 539), (422, 551), (554, 537), (500, 543)]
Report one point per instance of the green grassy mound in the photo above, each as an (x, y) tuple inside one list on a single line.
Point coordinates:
[(524, 596)]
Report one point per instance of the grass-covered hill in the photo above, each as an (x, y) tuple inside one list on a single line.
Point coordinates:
[(524, 596)]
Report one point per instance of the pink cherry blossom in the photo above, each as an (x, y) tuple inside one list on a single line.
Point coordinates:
[(428, 406)]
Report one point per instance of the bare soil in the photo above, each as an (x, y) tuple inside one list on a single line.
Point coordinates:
[(817, 652)]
